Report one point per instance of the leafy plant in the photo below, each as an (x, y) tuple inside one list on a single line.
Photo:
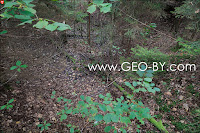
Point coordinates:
[(73, 128), (23, 10), (115, 111), (18, 66), (44, 126), (3, 32), (8, 105), (148, 30), (104, 7), (191, 48), (144, 83)]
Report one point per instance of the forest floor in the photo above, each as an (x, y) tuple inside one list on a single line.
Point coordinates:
[(50, 69)]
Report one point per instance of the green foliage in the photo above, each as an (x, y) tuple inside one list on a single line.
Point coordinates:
[(18, 66), (8, 105), (23, 10), (115, 111), (140, 54), (73, 128), (104, 7), (44, 126), (147, 30), (143, 54), (191, 48), (144, 83), (189, 9), (3, 32)]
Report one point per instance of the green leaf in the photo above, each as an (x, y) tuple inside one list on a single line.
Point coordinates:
[(152, 84), (62, 26), (151, 90), (27, 1), (108, 94), (28, 21), (48, 124), (26, 13), (9, 106), (46, 127), (129, 85), (134, 83), (106, 8), (42, 128), (102, 107), (40, 125), (114, 118), (18, 63), (41, 24), (30, 10), (107, 129), (3, 107), (156, 89), (9, 4), (59, 99), (148, 79), (98, 117), (6, 15), (123, 130), (98, 2), (91, 9), (88, 99), (149, 75), (71, 130), (51, 27), (24, 66), (68, 111), (82, 97), (132, 115), (140, 73), (101, 96), (107, 118), (19, 70), (10, 101), (54, 92), (69, 125), (3, 32), (13, 67), (106, 102), (125, 120), (63, 117), (22, 17)]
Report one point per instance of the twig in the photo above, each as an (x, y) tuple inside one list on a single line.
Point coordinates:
[(8, 79)]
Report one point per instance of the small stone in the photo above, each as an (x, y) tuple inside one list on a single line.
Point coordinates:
[(39, 115), (172, 126), (10, 121), (168, 102), (181, 97), (37, 123), (54, 119), (182, 121), (185, 106), (168, 93), (174, 109)]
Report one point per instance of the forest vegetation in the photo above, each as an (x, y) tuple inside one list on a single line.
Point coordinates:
[(47, 50)]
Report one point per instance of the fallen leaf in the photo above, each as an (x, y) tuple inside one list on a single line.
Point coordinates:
[(174, 109), (18, 122), (181, 97), (185, 106), (168, 93)]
